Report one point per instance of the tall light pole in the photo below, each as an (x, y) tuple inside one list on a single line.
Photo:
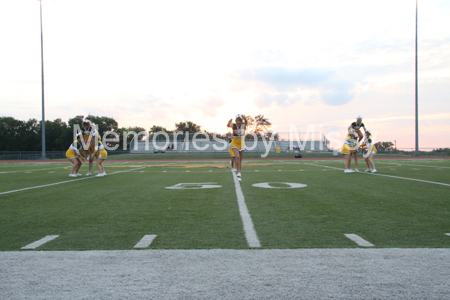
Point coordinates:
[(42, 82), (417, 95)]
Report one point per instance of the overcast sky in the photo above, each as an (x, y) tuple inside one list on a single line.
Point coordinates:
[(299, 63)]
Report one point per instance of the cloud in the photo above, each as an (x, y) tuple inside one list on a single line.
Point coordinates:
[(275, 83), (210, 106), (281, 99), (285, 79)]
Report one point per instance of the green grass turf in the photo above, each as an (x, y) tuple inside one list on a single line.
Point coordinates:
[(188, 156), (116, 211)]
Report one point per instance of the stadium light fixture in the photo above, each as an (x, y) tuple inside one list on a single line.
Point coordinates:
[(42, 84)]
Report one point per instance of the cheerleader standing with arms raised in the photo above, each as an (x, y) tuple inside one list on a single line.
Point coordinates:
[(238, 142)]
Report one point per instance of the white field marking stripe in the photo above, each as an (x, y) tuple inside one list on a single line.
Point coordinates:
[(40, 242), (145, 241), (56, 183), (384, 175), (30, 170), (359, 240), (447, 234), (412, 165), (249, 229)]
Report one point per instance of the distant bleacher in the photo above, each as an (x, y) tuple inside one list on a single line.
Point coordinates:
[(221, 147)]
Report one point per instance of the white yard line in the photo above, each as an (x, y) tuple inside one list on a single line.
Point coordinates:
[(384, 175), (61, 182), (9, 172), (249, 229), (145, 241), (382, 163), (40, 242), (359, 240)]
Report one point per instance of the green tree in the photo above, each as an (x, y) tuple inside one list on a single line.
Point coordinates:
[(258, 124), (58, 135), (156, 128), (104, 124), (384, 146), (188, 126), (32, 140), (129, 133)]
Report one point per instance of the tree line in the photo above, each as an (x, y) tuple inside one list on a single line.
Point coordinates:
[(19, 135)]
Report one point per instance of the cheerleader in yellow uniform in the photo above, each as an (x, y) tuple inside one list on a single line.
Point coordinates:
[(238, 143), (101, 154), (232, 159), (357, 127), (371, 151), (350, 146), (76, 155), (90, 133)]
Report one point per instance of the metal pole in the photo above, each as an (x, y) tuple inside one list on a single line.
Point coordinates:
[(42, 81), (417, 94)]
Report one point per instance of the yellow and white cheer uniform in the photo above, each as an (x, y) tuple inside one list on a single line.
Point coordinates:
[(238, 141), (350, 144), (76, 150), (369, 146), (100, 151)]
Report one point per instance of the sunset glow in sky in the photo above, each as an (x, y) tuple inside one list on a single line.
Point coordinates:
[(299, 63)]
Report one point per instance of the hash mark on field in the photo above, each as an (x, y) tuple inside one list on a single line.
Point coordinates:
[(145, 241), (249, 229), (359, 240), (447, 234), (40, 242)]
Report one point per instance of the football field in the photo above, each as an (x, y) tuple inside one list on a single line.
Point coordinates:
[(196, 212), (286, 204)]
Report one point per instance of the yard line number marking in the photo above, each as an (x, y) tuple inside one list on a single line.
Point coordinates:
[(290, 185), (194, 186)]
